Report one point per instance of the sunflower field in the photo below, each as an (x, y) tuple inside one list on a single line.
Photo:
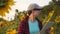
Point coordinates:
[(49, 13)]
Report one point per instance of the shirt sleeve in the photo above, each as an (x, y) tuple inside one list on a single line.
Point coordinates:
[(21, 28)]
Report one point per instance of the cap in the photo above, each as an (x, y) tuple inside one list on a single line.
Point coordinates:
[(34, 6)]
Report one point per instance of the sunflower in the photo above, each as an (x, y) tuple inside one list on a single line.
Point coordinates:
[(5, 6), (48, 18), (57, 20), (52, 30), (22, 16), (11, 31)]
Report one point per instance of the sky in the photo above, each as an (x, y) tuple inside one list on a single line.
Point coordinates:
[(22, 5)]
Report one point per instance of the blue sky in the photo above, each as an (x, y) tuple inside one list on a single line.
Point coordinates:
[(22, 5)]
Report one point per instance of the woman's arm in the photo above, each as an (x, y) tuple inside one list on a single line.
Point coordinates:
[(21, 28)]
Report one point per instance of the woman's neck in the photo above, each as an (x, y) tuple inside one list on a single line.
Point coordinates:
[(32, 18)]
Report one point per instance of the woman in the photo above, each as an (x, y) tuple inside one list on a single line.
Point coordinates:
[(31, 24)]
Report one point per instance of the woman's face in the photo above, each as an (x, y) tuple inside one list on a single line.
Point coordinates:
[(36, 12)]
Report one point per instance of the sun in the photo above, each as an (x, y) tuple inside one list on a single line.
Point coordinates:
[(5, 6)]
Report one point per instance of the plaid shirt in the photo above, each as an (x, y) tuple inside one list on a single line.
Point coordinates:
[(24, 27)]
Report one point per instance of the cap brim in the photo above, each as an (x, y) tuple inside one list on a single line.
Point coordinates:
[(37, 9)]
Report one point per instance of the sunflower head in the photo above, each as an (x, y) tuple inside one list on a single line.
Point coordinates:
[(5, 6), (11, 31)]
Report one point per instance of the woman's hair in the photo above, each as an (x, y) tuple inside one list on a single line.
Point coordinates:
[(29, 12)]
